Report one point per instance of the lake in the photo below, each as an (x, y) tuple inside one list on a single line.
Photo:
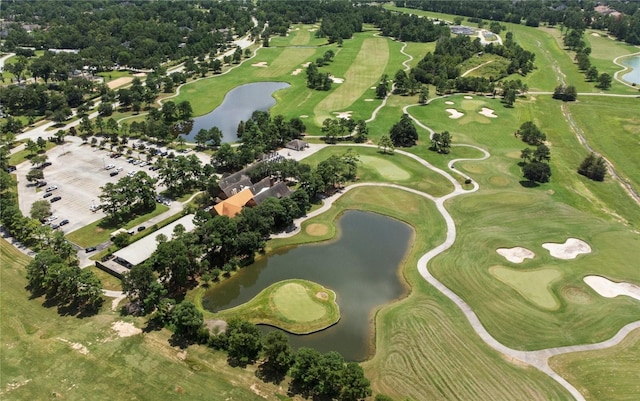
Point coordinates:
[(361, 265), (634, 75), (238, 105)]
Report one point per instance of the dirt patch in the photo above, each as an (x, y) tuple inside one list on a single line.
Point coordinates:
[(216, 326), (76, 346), (116, 83), (14, 385), (296, 71), (317, 230), (257, 391), (322, 295), (125, 329), (454, 114), (487, 112), (612, 289), (262, 64), (516, 254), (571, 248)]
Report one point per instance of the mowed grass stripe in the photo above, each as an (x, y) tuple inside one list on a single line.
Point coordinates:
[(364, 72), (302, 36), (289, 60)]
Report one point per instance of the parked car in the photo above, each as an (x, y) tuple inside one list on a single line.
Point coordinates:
[(119, 169), (11, 169), (110, 166), (55, 226), (113, 173), (41, 184), (90, 249), (64, 222), (45, 164), (46, 195), (52, 188), (55, 199), (141, 228)]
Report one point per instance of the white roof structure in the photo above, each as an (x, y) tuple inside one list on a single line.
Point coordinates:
[(142, 249)]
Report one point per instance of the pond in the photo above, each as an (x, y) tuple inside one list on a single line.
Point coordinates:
[(361, 266), (634, 75), (238, 105)]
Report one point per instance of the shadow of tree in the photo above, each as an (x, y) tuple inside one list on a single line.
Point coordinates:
[(529, 184)]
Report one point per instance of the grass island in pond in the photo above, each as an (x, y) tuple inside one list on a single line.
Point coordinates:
[(296, 306)]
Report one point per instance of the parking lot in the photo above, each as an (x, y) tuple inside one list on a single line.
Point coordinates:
[(78, 171)]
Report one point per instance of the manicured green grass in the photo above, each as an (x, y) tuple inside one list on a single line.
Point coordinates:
[(97, 232), (376, 167), (113, 75), (612, 129), (109, 281), (24, 155), (607, 374), (39, 361), (297, 306), (530, 284)]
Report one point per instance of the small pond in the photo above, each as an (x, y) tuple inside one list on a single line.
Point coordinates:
[(361, 266), (238, 105), (632, 76)]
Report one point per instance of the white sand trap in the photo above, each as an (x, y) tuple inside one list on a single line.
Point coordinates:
[(336, 80), (125, 329), (312, 29), (305, 65), (296, 71), (369, 100), (516, 254), (594, 34), (487, 112), (569, 250), (454, 113), (611, 289), (449, 102), (304, 116), (373, 87), (468, 97), (262, 64), (343, 114)]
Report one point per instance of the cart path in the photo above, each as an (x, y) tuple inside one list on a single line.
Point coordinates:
[(538, 358)]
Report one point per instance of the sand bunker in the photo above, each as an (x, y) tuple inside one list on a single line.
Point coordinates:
[(369, 100), (487, 112), (343, 114), (305, 65), (262, 64), (594, 34), (125, 329), (322, 295), (304, 116), (453, 113), (296, 71), (468, 97), (336, 80), (516, 255), (373, 87), (449, 102), (611, 289), (569, 250)]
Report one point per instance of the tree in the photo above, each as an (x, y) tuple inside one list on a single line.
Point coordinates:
[(593, 167), (40, 210), (362, 131), (121, 239), (537, 171), (383, 87), (542, 153), (278, 356), (424, 94), (401, 82), (385, 144), (509, 97), (187, 318), (441, 143), (105, 109), (526, 155), (592, 74), (31, 146), (137, 283), (355, 386), (531, 134), (604, 81), (404, 133), (244, 342), (35, 174)]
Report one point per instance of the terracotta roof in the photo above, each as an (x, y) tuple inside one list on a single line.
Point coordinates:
[(232, 206)]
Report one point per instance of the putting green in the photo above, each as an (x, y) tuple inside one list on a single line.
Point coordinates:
[(297, 306), (294, 303), (385, 168), (531, 284)]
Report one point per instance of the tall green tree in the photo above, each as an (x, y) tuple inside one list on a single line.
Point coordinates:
[(404, 132)]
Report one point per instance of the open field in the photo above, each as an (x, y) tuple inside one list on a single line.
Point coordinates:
[(297, 306), (48, 355)]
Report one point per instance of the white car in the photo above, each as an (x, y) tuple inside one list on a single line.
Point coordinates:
[(143, 164), (109, 167), (52, 188), (119, 169)]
